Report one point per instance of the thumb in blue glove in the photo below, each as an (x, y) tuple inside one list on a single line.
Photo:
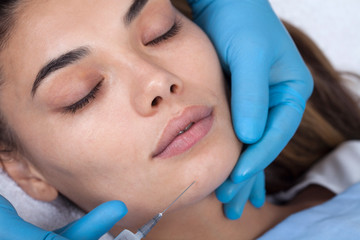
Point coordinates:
[(90, 227)]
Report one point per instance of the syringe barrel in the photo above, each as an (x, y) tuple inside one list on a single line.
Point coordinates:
[(127, 235), (149, 225)]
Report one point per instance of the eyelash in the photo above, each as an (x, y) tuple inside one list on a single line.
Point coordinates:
[(174, 30), (84, 101)]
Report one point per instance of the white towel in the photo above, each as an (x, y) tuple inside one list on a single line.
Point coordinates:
[(46, 215)]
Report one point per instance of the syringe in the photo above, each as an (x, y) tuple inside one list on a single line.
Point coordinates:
[(144, 230)]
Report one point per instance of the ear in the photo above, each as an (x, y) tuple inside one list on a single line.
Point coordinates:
[(27, 177)]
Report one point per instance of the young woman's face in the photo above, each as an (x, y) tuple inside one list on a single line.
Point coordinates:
[(96, 97)]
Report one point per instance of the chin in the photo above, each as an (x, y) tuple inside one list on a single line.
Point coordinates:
[(208, 167), (208, 163), (211, 167)]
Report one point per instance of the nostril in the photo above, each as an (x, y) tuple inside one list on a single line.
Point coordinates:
[(156, 101), (173, 88)]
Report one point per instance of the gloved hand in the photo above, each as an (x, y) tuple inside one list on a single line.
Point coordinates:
[(270, 85), (90, 227)]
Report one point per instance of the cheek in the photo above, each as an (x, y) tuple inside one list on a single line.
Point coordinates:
[(218, 157), (86, 160), (192, 57), (202, 67)]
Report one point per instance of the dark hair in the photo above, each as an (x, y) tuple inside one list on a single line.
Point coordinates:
[(7, 19), (8, 10), (331, 117)]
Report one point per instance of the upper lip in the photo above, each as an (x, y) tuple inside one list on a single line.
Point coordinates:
[(189, 115)]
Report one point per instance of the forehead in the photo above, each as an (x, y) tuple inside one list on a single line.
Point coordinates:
[(47, 28), (46, 22)]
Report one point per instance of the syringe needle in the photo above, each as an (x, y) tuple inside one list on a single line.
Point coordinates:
[(177, 198), (144, 230)]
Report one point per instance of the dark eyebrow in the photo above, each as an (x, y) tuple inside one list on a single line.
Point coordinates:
[(134, 11), (58, 63)]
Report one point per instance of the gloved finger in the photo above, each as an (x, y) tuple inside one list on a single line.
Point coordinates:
[(257, 195), (14, 228), (291, 71), (282, 124), (234, 209), (96, 223), (292, 85), (226, 192), (6, 208), (198, 6), (250, 93)]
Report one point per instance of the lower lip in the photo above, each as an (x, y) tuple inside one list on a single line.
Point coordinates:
[(185, 141)]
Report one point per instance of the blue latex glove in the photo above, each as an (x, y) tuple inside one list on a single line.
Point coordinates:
[(270, 85), (90, 227)]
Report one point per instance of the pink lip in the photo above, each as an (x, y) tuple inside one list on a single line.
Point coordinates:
[(172, 144)]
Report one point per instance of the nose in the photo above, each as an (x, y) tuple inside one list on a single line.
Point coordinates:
[(154, 88)]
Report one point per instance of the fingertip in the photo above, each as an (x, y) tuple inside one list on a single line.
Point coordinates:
[(222, 195), (249, 164), (228, 190), (231, 213), (258, 202), (115, 208), (97, 222), (235, 208), (249, 108), (112, 210), (258, 192), (240, 174), (249, 131), (225, 192)]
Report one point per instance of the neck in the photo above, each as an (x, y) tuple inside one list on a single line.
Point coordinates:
[(206, 220)]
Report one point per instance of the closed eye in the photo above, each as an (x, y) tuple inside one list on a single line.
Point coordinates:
[(84, 101), (173, 31)]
